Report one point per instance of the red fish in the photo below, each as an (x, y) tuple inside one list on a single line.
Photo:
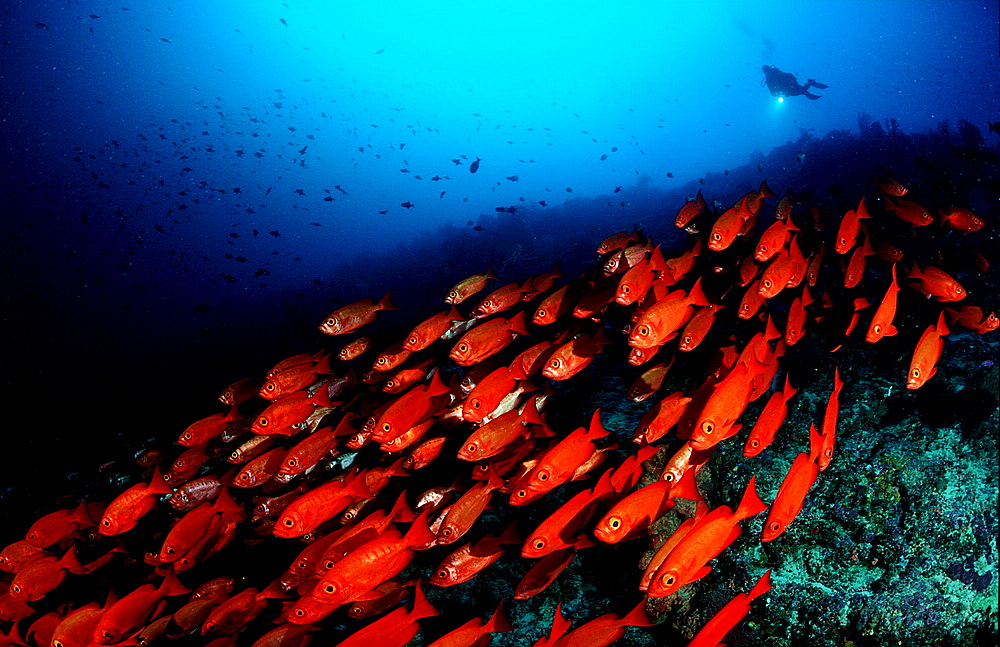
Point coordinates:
[(374, 562), (468, 560), (542, 573), (690, 211), (614, 242), (234, 613), (769, 420), (202, 431), (128, 615), (715, 630), (411, 408), (559, 463), (468, 286), (774, 239), (395, 629), (648, 383), (240, 391), (926, 354), (354, 348), (37, 579), (792, 492), (575, 355), (797, 316), (909, 212), (660, 418), (662, 320), (890, 186), (472, 632), (855, 269), (460, 516), (828, 431), (937, 283), (491, 438), (431, 329), (961, 220), (59, 525), (487, 339), (724, 406), (850, 225), (729, 225), (973, 318), (498, 300), (632, 515), (354, 315), (294, 378), (128, 507), (491, 390), (288, 415), (881, 325), (709, 537), (697, 327), (314, 507), (603, 630)]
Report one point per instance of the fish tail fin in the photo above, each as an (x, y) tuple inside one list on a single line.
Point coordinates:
[(942, 327), (637, 616), (751, 504), (596, 429), (762, 586), (789, 390), (158, 485), (517, 324), (421, 607), (687, 488), (498, 621), (386, 302), (172, 586)]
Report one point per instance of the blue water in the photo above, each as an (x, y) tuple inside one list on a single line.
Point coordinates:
[(170, 171)]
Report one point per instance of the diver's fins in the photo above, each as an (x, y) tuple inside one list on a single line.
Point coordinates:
[(812, 82), (810, 95)]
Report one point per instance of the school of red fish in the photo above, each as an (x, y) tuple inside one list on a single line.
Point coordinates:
[(359, 459)]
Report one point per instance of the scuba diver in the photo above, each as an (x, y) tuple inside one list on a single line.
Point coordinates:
[(783, 84)]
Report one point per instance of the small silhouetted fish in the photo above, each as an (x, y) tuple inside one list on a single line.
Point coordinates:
[(470, 223), (259, 273), (163, 39), (604, 157), (302, 151), (442, 194), (994, 126), (513, 178), (300, 191), (337, 186), (407, 205), (542, 202), (670, 174), (275, 233), (618, 189), (41, 25), (242, 259), (203, 308), (94, 15), (614, 149), (315, 224), (380, 51), (384, 212), (456, 161), (328, 198), (569, 190), (474, 166), (477, 228), (283, 22)]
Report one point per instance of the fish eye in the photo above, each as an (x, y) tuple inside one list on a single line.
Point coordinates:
[(262, 422), (463, 347), (169, 550), (669, 579), (300, 613), (615, 523), (540, 313), (269, 386), (716, 236), (687, 339), (539, 544), (106, 523), (442, 574), (16, 588), (755, 444), (626, 289), (57, 643), (235, 456), (762, 248), (330, 588), (774, 525), (453, 294), (959, 290), (668, 477), (643, 330), (915, 372), (244, 476), (522, 493), (555, 363), (471, 447), (446, 532), (288, 523), (877, 329), (543, 476), (707, 427), (330, 322), (412, 340), (292, 462), (386, 427), (843, 241), (186, 436), (477, 403), (107, 635)]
